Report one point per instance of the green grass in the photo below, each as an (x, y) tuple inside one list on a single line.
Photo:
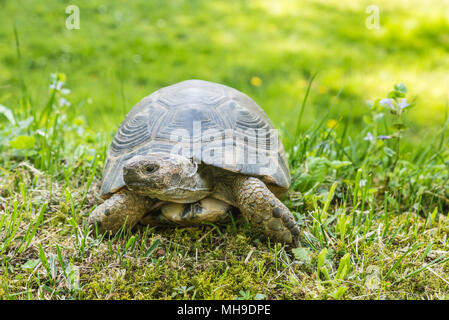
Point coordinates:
[(121, 53), (373, 224), (373, 213)]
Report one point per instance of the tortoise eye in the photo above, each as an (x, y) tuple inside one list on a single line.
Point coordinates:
[(151, 168)]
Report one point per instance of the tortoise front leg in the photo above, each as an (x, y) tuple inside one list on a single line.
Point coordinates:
[(264, 210), (123, 207)]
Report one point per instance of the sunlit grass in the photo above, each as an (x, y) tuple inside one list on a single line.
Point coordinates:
[(123, 53)]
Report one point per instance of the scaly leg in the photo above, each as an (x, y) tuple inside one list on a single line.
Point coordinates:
[(264, 210), (123, 207)]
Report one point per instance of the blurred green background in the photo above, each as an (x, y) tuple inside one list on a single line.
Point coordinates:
[(125, 50)]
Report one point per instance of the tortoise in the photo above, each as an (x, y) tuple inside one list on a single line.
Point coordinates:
[(189, 153)]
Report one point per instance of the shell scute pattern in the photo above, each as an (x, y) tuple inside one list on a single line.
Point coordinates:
[(166, 118), (205, 96), (137, 129)]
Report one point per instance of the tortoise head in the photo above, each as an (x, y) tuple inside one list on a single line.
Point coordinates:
[(166, 177)]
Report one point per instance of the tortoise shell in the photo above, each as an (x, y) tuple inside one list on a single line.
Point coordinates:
[(210, 123)]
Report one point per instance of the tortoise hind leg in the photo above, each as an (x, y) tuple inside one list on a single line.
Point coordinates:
[(124, 207), (264, 210), (190, 214)]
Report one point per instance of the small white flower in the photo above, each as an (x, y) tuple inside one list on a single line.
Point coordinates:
[(369, 137), (362, 183), (387, 102), (41, 133), (63, 102), (403, 104), (56, 85)]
